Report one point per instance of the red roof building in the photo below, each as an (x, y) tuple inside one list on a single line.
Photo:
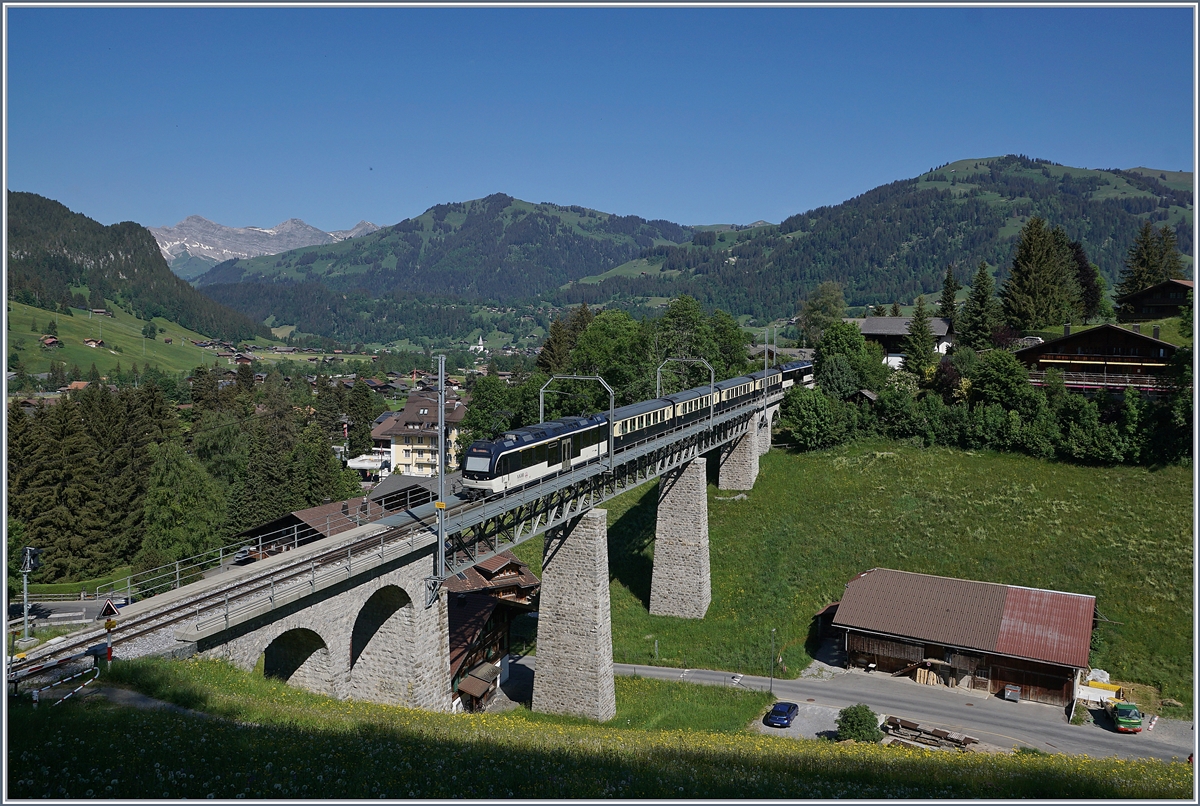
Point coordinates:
[(968, 633)]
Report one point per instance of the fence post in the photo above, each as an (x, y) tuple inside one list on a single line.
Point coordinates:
[(177, 574), (349, 561), (313, 565), (381, 546), (227, 610), (272, 590)]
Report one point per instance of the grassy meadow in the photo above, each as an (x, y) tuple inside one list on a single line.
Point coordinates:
[(122, 336), (813, 521), (268, 740)]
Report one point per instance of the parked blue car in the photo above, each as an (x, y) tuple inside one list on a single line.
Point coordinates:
[(783, 714)]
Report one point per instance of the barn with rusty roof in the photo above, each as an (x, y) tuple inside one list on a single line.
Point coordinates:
[(959, 632)]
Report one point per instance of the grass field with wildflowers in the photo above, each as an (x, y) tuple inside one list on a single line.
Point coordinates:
[(814, 520), (268, 740)]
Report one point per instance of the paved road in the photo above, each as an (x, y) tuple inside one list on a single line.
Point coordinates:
[(989, 719)]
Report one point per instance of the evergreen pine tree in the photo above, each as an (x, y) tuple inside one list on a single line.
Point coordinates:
[(1037, 292), (896, 308), (1143, 264), (555, 353), (918, 345), (19, 447), (327, 410), (318, 473), (1172, 263), (980, 313), (1086, 278), (1070, 298), (184, 508), (947, 307), (358, 411), (63, 500), (244, 380), (204, 389)]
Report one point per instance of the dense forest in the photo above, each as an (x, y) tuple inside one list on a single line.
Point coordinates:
[(106, 477), (356, 317), (894, 242), (53, 253)]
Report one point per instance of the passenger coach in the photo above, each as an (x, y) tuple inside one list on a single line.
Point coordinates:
[(525, 456)]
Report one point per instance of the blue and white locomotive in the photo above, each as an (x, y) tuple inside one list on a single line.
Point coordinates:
[(527, 455)]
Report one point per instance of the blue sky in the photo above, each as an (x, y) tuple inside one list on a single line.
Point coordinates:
[(253, 116)]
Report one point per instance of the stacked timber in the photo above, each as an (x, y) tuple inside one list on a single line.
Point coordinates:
[(906, 732)]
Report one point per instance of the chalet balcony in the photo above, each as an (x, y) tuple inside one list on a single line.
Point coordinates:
[(1082, 381)]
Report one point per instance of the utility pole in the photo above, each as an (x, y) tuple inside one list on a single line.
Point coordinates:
[(772, 660), (30, 561), (441, 502)]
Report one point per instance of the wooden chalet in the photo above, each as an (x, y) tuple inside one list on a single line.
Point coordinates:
[(1102, 357), (504, 576), (482, 602), (1161, 301), (1007, 640), (479, 627)]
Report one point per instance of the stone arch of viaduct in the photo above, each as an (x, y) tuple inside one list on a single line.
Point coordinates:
[(373, 640)]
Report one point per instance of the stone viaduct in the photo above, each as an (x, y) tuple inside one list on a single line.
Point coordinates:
[(369, 636)]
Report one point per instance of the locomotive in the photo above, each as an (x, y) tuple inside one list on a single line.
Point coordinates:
[(525, 456)]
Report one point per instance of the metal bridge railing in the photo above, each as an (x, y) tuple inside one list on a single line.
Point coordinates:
[(189, 569)]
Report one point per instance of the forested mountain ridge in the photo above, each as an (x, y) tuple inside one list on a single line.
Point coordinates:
[(495, 248), (895, 241), (54, 254)]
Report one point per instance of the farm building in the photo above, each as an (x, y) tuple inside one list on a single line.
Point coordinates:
[(1160, 301), (1103, 357), (958, 632)]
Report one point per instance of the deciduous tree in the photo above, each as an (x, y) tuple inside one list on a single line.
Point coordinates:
[(824, 306)]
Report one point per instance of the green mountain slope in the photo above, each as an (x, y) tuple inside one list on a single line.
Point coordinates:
[(58, 258), (894, 242), (496, 248)]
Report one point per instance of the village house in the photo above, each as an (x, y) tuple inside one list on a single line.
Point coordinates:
[(94, 342), (482, 602), (411, 436), (1105, 357), (891, 331), (1161, 301)]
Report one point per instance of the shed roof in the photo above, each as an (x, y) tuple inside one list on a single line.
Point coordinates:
[(1047, 626)]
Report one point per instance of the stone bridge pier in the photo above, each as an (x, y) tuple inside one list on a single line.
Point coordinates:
[(680, 585), (765, 425), (574, 640), (371, 640), (739, 461)]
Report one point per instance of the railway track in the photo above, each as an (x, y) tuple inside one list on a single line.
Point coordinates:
[(223, 597)]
